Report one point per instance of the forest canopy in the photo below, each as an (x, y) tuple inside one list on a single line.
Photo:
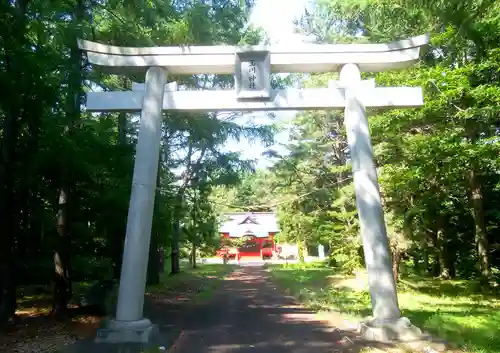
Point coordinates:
[(438, 165)]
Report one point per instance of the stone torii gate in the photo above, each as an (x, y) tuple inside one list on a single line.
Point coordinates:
[(252, 67)]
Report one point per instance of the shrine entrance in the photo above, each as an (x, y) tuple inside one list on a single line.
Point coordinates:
[(252, 68), (247, 235), (246, 247)]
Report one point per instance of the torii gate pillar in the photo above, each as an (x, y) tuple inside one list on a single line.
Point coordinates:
[(387, 323), (253, 94), (366, 188), (130, 325)]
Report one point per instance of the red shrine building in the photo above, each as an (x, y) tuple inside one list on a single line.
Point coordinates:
[(255, 230)]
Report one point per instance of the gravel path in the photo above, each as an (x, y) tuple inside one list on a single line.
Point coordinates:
[(249, 314)]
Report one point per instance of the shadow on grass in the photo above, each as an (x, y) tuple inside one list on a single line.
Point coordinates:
[(441, 323), (439, 287), (204, 277), (451, 310), (315, 287), (455, 310)]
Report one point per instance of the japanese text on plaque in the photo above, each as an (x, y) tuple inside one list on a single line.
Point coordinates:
[(252, 70)]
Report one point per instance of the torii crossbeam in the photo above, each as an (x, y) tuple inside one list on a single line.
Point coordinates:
[(252, 67)]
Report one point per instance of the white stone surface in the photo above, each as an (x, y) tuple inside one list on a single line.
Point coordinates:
[(371, 217), (140, 214), (398, 330), (253, 75), (141, 87), (138, 331), (220, 59), (288, 99)]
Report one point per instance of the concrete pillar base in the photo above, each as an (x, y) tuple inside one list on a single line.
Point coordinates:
[(400, 330), (140, 331)]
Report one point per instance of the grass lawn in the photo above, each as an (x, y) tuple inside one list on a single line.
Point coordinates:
[(450, 309), (192, 283)]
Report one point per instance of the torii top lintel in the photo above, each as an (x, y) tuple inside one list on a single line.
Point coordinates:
[(220, 59)]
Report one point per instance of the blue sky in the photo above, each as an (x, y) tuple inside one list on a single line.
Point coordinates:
[(276, 18)]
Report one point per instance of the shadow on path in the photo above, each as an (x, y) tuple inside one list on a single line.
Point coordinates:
[(249, 314)]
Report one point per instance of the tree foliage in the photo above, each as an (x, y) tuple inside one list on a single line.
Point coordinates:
[(437, 165), (65, 174)]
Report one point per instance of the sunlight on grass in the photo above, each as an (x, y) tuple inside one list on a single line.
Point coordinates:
[(202, 271), (199, 282), (452, 310)]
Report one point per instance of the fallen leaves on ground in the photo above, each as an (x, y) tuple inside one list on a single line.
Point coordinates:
[(36, 331)]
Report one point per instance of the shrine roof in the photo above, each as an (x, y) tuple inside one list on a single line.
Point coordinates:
[(238, 224)]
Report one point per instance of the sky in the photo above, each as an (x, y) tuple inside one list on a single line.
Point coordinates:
[(276, 18)]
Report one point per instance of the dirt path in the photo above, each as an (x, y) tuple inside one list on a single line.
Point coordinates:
[(249, 314)]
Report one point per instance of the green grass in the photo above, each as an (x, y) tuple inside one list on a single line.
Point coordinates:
[(199, 282), (450, 309), (202, 271)]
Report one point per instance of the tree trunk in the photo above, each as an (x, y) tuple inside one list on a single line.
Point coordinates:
[(7, 290), (153, 263), (396, 262), (13, 60), (62, 289), (62, 282), (161, 259), (425, 257), (442, 248), (300, 246), (7, 221), (30, 242), (175, 245), (480, 235), (450, 260), (436, 266), (416, 257), (193, 255)]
